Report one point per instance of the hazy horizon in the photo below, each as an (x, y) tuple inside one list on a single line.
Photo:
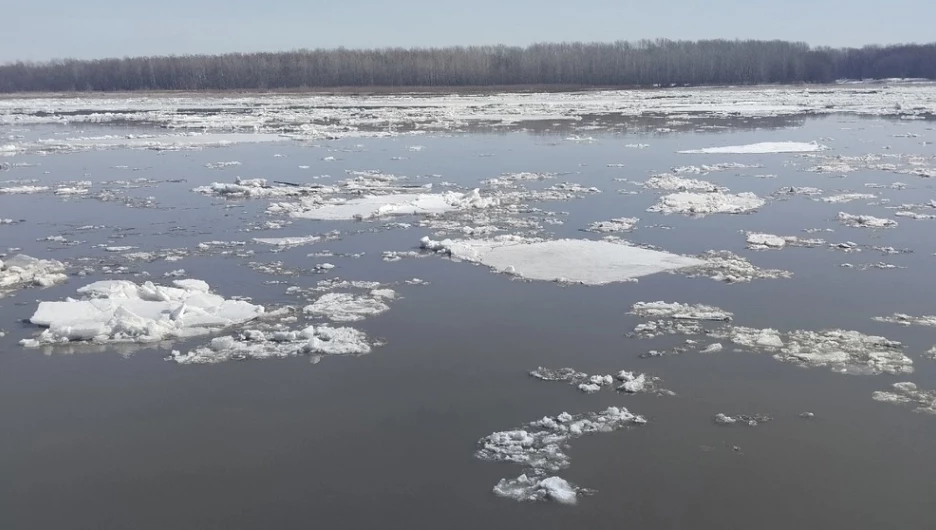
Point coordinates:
[(105, 28)]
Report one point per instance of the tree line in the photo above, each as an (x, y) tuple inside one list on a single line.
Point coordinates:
[(619, 64)]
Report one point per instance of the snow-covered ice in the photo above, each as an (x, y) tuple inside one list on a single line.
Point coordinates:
[(761, 148), (908, 394), (865, 221), (701, 204), (22, 271), (123, 311), (620, 224), (564, 260)]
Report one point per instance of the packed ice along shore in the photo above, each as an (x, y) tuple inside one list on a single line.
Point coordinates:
[(114, 311)]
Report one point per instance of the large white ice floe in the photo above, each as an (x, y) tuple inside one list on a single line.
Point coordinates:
[(276, 344), (23, 271), (122, 311), (908, 394), (538, 447), (346, 307), (565, 260), (700, 204), (728, 267), (865, 221), (761, 148), (373, 206)]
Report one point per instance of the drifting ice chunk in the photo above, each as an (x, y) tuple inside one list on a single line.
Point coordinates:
[(621, 224), (344, 307), (761, 148), (905, 393), (748, 419), (22, 270), (701, 204), (287, 241), (123, 311), (256, 344), (679, 311), (565, 260), (848, 197), (865, 221), (725, 266), (371, 206), (908, 320), (538, 446), (674, 183)]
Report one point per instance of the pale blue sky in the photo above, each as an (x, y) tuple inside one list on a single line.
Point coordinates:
[(46, 29)]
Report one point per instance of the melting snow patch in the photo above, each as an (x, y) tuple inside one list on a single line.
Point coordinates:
[(123, 311), (865, 221), (565, 260), (761, 148), (701, 204), (538, 447)]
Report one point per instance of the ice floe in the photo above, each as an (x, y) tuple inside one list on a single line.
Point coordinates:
[(679, 311), (728, 267), (23, 271), (538, 447), (620, 224), (908, 394), (848, 197), (751, 420), (761, 148), (761, 241), (674, 183), (123, 311), (345, 307), (865, 221), (276, 344), (564, 260), (373, 206), (701, 204), (631, 382), (908, 320)]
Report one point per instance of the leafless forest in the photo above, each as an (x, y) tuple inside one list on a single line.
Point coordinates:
[(620, 64)]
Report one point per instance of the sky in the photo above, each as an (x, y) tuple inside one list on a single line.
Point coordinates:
[(40, 30)]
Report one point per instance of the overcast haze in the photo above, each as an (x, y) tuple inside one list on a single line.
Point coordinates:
[(110, 28)]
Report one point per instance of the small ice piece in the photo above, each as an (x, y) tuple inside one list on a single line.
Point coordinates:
[(287, 241), (713, 348), (589, 388), (345, 307), (916, 216), (702, 204), (679, 311), (807, 415), (565, 260), (523, 488), (121, 311), (562, 374), (761, 148), (620, 224), (908, 320), (373, 206), (865, 221), (668, 182), (751, 420), (848, 197)]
